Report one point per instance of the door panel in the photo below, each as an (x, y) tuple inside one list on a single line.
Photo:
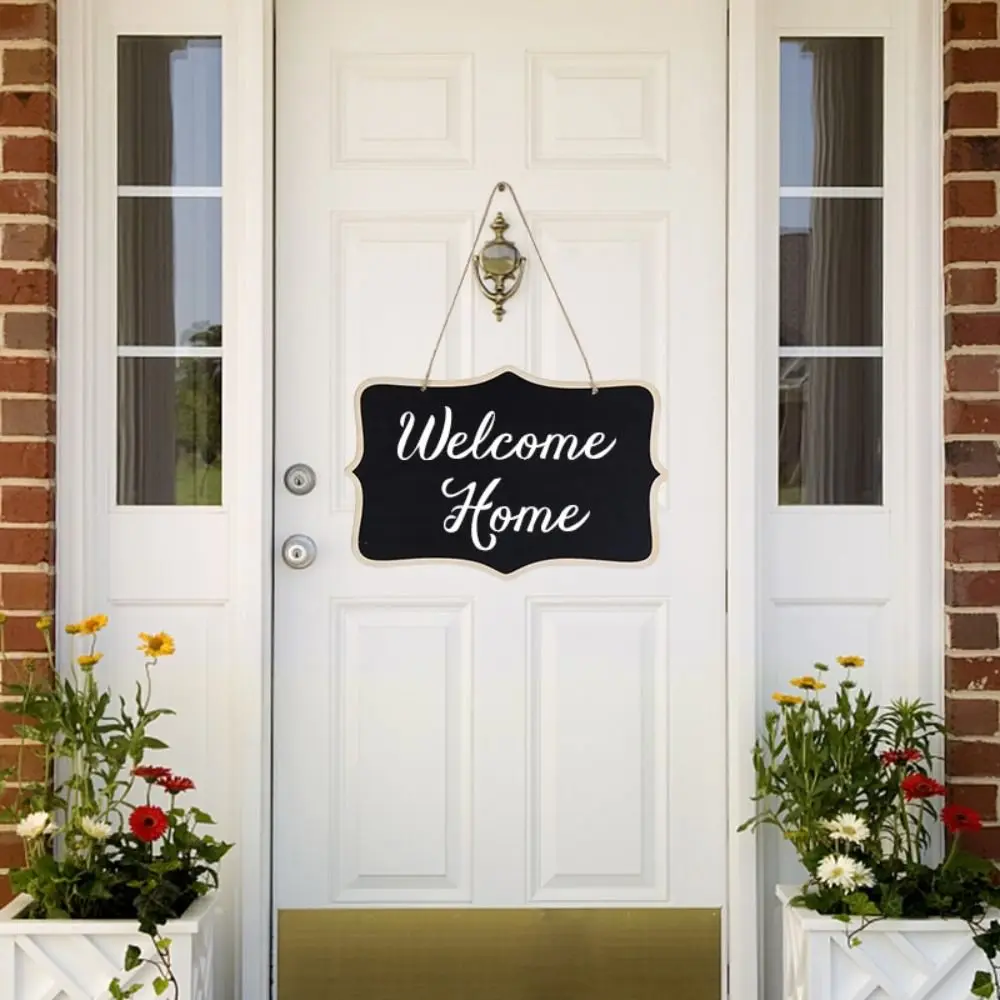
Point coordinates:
[(443, 735)]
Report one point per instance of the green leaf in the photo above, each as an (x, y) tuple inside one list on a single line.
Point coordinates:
[(982, 984), (160, 985), (133, 958), (862, 906)]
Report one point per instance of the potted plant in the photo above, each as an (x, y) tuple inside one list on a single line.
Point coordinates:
[(117, 888), (849, 785)]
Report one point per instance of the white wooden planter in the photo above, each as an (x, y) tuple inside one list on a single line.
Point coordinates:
[(77, 959), (896, 960)]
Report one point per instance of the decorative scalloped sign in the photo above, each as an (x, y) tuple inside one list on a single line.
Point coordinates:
[(505, 471)]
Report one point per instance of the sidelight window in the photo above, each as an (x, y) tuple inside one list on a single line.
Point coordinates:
[(830, 424), (169, 275)]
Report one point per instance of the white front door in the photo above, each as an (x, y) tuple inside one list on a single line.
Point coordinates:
[(444, 735)]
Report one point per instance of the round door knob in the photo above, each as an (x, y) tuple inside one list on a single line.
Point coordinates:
[(299, 551)]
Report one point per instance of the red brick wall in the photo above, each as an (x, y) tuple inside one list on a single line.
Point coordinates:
[(972, 404), (27, 329)]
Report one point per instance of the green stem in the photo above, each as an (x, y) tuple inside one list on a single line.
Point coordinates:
[(953, 853)]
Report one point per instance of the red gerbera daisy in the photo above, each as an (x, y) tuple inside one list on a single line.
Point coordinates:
[(907, 756), (151, 773), (920, 786), (148, 823), (958, 818), (174, 784)]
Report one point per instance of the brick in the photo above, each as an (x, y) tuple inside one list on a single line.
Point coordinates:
[(974, 373), (6, 892), (29, 154), (966, 631), (965, 459), (965, 416), (961, 152), (972, 503), (27, 197), (30, 331), (972, 717), (26, 459), (27, 21), (973, 760), (972, 588), (31, 242), (9, 721), (982, 798), (29, 66), (985, 842), (970, 198), (971, 243), (27, 109), (972, 329), (973, 674), (972, 544), (27, 504), (25, 546), (971, 21), (11, 851), (25, 374), (26, 591), (972, 65), (971, 286), (23, 671), (971, 109), (27, 417), (26, 287), (32, 769)]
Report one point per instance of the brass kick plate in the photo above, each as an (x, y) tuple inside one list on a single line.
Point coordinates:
[(511, 954)]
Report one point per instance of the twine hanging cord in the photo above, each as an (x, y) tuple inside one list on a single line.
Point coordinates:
[(499, 188)]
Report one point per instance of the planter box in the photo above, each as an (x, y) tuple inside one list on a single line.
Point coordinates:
[(896, 960), (77, 959)]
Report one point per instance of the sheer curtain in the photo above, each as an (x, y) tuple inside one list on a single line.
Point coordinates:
[(841, 447), (147, 421)]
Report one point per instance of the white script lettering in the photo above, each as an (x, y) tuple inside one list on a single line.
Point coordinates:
[(502, 518), (500, 447)]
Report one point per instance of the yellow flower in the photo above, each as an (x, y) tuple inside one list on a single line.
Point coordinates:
[(787, 699), (89, 626), (44, 623), (808, 683), (89, 661), (155, 646), (851, 661)]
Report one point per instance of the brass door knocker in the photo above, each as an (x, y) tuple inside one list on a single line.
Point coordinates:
[(501, 264)]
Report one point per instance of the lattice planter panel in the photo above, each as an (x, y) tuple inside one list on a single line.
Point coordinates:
[(896, 960), (77, 959)]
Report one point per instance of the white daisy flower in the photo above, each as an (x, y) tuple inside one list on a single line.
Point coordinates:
[(842, 872), (35, 825), (94, 828), (863, 876), (848, 827)]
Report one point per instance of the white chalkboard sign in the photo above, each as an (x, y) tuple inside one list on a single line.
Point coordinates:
[(505, 471)]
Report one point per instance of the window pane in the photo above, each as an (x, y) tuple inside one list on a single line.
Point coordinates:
[(831, 112), (170, 271), (170, 111), (831, 272), (830, 431), (170, 431)]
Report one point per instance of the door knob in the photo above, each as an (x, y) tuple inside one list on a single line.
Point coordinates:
[(299, 551), (300, 479)]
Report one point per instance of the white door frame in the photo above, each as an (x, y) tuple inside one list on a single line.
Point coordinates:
[(247, 27)]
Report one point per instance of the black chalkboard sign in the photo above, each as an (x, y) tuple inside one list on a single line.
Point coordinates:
[(505, 472)]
